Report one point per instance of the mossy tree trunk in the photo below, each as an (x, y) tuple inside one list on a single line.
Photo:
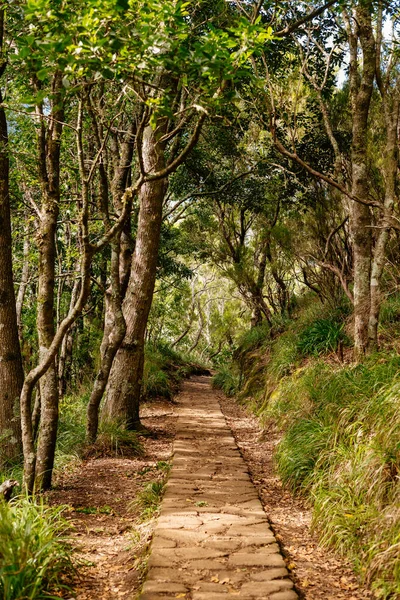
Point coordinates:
[(49, 140), (11, 372), (361, 88), (125, 382)]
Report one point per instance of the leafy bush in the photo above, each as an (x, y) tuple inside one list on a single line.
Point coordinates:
[(321, 337), (34, 554)]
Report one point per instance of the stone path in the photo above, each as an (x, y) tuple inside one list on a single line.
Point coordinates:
[(212, 540)]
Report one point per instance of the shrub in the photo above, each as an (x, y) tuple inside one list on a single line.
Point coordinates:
[(34, 554)]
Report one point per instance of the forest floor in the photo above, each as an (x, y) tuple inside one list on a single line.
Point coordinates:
[(112, 539)]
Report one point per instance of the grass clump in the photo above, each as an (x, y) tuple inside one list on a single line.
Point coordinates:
[(34, 553), (148, 501), (321, 337), (115, 440), (226, 380)]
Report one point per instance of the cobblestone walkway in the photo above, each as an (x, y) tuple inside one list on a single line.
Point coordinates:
[(212, 540)]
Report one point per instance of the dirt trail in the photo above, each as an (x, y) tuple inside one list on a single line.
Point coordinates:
[(213, 538)]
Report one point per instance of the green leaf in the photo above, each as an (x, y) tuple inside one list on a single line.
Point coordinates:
[(42, 74)]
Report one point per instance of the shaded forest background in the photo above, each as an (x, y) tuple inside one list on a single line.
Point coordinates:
[(207, 185)]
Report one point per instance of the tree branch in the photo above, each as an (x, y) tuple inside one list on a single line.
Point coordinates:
[(309, 17)]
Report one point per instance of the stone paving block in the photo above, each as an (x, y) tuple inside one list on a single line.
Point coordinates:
[(290, 595), (269, 574), (164, 587), (213, 540), (220, 596), (155, 596), (160, 543), (208, 565), (256, 560), (261, 589)]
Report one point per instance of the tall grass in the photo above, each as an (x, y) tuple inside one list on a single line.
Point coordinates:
[(226, 380), (321, 337), (34, 554), (340, 426), (341, 448)]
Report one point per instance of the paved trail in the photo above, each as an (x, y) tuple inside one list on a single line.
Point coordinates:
[(213, 539)]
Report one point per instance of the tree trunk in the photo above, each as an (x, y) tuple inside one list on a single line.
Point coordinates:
[(24, 281), (391, 109), (121, 259), (125, 383), (49, 173), (45, 324), (114, 332), (361, 88), (67, 343), (11, 372)]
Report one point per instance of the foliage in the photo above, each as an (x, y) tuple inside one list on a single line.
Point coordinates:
[(341, 449), (322, 337), (226, 381), (254, 337), (34, 553), (165, 369)]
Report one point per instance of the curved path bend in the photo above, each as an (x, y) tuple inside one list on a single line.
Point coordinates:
[(212, 540)]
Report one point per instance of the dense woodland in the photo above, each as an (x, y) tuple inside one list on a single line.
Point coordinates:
[(209, 183)]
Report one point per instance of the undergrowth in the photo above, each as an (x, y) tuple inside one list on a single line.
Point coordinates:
[(341, 433), (341, 448), (34, 554), (165, 369)]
